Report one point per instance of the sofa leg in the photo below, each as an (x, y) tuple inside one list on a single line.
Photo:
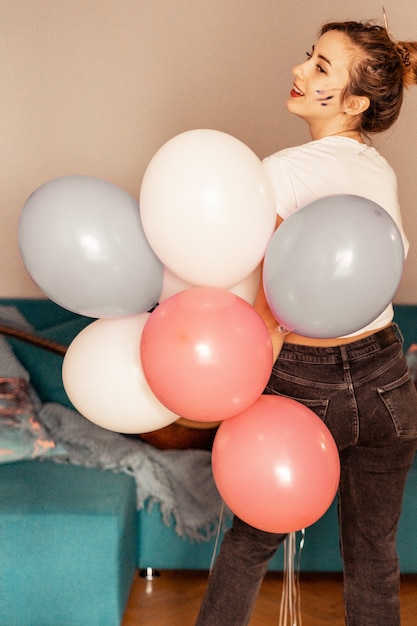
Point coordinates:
[(149, 573)]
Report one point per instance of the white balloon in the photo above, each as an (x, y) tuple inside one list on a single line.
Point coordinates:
[(172, 284), (103, 377), (246, 289), (207, 208)]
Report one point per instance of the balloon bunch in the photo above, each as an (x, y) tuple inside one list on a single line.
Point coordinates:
[(193, 246)]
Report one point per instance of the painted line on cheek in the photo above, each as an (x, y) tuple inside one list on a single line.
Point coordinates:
[(323, 100)]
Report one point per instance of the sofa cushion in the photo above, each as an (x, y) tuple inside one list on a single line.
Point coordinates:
[(45, 366), (68, 544)]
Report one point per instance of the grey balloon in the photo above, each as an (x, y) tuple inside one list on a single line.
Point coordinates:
[(81, 240), (333, 266)]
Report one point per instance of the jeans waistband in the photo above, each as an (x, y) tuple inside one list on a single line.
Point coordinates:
[(381, 339), (377, 341)]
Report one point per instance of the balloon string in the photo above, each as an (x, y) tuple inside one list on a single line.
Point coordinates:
[(290, 609), (216, 543)]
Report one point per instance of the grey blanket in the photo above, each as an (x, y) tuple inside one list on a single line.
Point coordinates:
[(180, 481)]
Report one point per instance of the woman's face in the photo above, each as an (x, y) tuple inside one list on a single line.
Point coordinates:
[(320, 81)]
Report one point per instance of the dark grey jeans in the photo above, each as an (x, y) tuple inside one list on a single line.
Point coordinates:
[(363, 392)]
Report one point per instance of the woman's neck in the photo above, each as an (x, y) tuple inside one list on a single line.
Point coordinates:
[(321, 132), (351, 134)]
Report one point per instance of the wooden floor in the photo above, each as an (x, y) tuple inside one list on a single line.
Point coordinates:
[(173, 599)]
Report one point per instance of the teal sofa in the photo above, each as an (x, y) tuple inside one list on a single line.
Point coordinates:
[(73, 537)]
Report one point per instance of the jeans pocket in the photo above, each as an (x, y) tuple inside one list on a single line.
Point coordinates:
[(400, 399), (318, 405)]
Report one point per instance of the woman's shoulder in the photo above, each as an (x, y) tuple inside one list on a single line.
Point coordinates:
[(325, 150), (330, 166)]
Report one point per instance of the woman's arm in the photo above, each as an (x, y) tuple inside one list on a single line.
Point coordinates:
[(261, 306)]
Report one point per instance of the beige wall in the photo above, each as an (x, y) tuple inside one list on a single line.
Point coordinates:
[(97, 86)]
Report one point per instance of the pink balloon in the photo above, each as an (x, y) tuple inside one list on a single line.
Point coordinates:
[(206, 353), (276, 465), (103, 377)]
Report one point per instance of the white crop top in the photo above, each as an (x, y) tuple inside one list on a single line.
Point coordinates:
[(330, 166)]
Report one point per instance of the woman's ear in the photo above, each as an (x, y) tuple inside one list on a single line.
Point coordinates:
[(356, 105)]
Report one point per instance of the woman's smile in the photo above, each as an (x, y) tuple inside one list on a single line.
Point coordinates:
[(296, 92)]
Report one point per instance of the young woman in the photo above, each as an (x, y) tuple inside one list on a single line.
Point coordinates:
[(350, 86)]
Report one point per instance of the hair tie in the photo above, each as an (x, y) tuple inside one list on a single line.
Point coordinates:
[(404, 54)]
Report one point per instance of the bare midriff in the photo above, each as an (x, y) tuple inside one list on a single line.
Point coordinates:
[(328, 342)]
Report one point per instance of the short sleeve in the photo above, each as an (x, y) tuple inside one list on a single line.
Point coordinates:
[(281, 180)]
